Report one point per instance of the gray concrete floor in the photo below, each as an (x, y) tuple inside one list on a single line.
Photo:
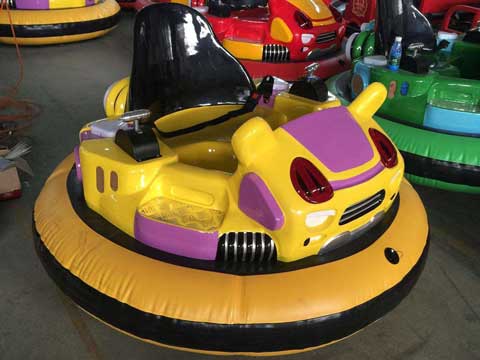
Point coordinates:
[(440, 319)]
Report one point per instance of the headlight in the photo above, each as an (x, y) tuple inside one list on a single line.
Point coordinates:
[(318, 218), (306, 38)]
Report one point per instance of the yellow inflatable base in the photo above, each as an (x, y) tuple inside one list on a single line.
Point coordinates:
[(54, 39), (218, 353), (223, 313), (46, 27)]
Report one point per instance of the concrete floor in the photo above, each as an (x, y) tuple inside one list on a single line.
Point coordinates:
[(440, 319)]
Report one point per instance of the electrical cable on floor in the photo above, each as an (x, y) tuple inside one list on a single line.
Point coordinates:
[(15, 114)]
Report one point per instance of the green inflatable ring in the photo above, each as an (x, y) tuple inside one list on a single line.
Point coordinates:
[(369, 45), (445, 161), (357, 46)]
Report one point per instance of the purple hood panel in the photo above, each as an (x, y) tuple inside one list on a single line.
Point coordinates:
[(367, 175), (334, 137)]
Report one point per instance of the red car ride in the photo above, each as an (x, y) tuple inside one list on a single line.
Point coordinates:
[(277, 30)]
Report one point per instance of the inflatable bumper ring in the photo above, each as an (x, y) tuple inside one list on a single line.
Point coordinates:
[(253, 228), (46, 24)]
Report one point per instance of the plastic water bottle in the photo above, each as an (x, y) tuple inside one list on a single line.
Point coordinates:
[(395, 54)]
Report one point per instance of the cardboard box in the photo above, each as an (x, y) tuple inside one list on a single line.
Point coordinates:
[(10, 186)]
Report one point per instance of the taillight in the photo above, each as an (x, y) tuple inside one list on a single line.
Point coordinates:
[(388, 153), (309, 182), (336, 14), (302, 20)]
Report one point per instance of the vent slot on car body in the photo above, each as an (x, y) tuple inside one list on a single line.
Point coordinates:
[(363, 207), (326, 37), (275, 53), (246, 247)]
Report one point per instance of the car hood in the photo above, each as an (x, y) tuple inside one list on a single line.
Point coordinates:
[(333, 137), (315, 10)]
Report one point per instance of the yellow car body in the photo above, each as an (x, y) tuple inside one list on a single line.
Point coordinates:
[(196, 182)]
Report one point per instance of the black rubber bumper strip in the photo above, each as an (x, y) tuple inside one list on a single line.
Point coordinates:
[(64, 29), (265, 337), (102, 227), (447, 171)]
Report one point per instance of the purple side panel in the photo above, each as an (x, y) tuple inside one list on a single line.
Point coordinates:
[(89, 2), (367, 175), (78, 169), (175, 239), (32, 4), (258, 203), (334, 137), (87, 135)]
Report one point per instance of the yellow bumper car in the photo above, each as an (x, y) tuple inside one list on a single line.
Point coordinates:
[(207, 219)]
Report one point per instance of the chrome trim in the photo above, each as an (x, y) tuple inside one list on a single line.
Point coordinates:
[(325, 37), (272, 247), (225, 246), (262, 253), (362, 208), (231, 249), (275, 53), (244, 246), (235, 243), (362, 204), (254, 248), (349, 236)]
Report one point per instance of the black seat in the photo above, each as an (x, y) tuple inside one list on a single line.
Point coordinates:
[(402, 18), (179, 64)]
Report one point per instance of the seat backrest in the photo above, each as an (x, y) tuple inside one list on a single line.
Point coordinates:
[(402, 18), (179, 64)]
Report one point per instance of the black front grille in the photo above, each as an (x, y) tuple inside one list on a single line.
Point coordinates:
[(246, 247), (326, 37), (275, 53), (363, 207)]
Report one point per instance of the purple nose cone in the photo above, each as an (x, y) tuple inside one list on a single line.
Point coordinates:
[(258, 203), (334, 137)]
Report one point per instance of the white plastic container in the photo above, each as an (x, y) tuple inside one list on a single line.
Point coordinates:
[(449, 36), (375, 60)]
